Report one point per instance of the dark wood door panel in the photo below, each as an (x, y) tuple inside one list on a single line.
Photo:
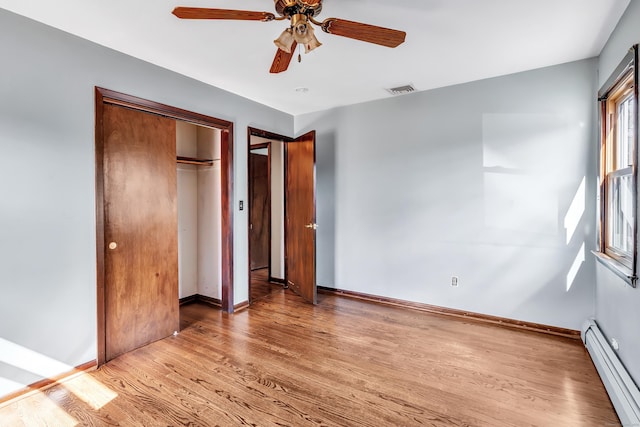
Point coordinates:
[(300, 216), (141, 257), (259, 206)]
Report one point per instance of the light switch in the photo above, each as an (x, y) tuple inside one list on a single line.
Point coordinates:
[(241, 204)]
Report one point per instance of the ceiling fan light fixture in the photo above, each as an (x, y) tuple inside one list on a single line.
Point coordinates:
[(301, 15), (285, 41), (303, 32), (300, 26), (312, 42)]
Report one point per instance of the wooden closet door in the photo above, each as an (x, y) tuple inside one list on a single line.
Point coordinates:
[(140, 209)]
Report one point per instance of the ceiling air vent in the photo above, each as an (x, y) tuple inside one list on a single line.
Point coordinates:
[(401, 90)]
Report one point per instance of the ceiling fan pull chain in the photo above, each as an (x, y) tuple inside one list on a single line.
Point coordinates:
[(299, 53)]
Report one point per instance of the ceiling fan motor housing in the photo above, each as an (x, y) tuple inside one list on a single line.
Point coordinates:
[(289, 8)]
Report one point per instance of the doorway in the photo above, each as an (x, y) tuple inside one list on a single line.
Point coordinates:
[(288, 210), (266, 214), (136, 219)]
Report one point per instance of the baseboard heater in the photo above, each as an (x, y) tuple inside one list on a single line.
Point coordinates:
[(623, 392)]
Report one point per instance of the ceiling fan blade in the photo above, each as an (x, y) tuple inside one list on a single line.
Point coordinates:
[(282, 60), (202, 13), (363, 32)]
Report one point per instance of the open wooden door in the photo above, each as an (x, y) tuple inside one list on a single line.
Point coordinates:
[(140, 232), (259, 207), (300, 216)]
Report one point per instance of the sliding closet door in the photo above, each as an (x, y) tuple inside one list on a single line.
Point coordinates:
[(140, 213)]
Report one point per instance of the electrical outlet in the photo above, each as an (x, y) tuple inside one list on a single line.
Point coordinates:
[(454, 280)]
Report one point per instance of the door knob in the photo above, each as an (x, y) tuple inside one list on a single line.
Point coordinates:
[(312, 225), (113, 245)]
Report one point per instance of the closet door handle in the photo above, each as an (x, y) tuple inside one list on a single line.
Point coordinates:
[(113, 245)]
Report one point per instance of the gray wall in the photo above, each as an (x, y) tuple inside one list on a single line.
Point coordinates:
[(47, 198), (617, 304), (476, 180)]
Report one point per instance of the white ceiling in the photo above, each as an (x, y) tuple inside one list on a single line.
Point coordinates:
[(448, 42)]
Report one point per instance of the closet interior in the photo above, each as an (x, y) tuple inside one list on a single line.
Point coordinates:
[(199, 213)]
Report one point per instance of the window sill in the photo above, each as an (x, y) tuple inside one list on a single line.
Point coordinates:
[(619, 269)]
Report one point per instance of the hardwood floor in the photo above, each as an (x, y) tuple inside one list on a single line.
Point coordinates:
[(341, 363), (260, 285)]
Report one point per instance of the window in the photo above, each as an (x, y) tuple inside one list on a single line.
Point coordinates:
[(618, 169), (620, 188)]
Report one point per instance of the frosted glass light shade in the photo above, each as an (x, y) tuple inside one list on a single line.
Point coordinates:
[(285, 41), (311, 42)]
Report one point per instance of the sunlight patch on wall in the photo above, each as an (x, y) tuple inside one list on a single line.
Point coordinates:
[(522, 171), (31, 361), (526, 142), (519, 203), (83, 386), (576, 210), (575, 267), (8, 386)]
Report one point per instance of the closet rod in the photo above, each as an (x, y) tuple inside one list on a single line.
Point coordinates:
[(194, 161)]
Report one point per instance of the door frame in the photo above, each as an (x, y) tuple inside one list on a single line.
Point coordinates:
[(106, 96), (267, 135), (266, 145), (285, 139)]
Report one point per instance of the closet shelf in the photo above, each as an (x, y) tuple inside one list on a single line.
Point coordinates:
[(195, 161)]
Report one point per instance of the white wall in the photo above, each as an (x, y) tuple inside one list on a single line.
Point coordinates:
[(625, 35), (199, 213), (474, 180), (47, 185), (277, 209), (209, 215), (186, 145), (617, 304)]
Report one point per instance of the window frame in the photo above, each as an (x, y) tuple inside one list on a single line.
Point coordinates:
[(622, 84)]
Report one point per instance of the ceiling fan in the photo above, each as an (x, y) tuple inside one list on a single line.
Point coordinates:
[(301, 14)]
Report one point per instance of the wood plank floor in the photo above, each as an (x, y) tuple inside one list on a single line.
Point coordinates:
[(260, 285), (341, 363)]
